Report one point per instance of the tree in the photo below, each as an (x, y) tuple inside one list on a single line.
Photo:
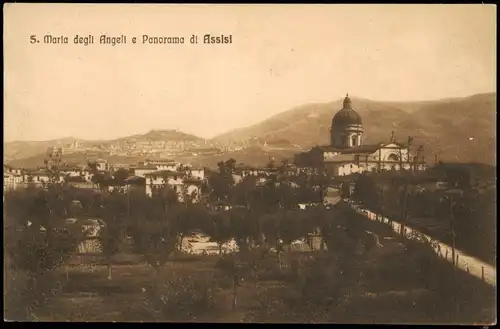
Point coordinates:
[(366, 191), (235, 271), (294, 225), (36, 241), (188, 198), (244, 193), (111, 236), (120, 176), (102, 180), (221, 183), (244, 228), (306, 188), (188, 219), (220, 228), (153, 226), (230, 164)]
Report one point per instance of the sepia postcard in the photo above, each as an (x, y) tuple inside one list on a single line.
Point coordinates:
[(299, 163)]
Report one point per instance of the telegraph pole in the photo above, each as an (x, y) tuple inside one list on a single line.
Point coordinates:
[(419, 150), (452, 201), (380, 159), (410, 140), (404, 205), (452, 226)]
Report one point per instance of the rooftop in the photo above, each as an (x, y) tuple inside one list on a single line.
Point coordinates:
[(146, 167), (135, 180), (363, 149), (165, 173)]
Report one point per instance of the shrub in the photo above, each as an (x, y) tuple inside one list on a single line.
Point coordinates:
[(184, 298)]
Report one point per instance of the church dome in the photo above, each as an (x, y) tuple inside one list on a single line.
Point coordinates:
[(346, 116)]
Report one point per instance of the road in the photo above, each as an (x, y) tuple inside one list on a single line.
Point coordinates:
[(464, 262)]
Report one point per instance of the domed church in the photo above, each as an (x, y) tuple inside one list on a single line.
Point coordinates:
[(347, 127), (348, 154)]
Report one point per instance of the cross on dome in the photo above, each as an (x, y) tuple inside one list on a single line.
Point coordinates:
[(347, 102)]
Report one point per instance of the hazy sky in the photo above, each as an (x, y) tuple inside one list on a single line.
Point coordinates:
[(282, 56)]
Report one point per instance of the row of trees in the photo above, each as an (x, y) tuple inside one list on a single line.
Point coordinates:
[(278, 189), (402, 197)]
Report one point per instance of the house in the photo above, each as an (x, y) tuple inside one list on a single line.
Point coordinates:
[(117, 166), (196, 173), (178, 181), (143, 170), (262, 174), (12, 170), (41, 177), (71, 171), (160, 163), (11, 180), (172, 166), (100, 165)]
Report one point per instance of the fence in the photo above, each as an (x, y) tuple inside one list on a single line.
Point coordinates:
[(464, 262)]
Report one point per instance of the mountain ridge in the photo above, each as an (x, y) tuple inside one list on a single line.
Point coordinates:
[(458, 129)]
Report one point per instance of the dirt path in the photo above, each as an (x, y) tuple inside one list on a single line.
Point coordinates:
[(465, 262)]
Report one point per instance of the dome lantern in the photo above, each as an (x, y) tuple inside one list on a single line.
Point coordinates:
[(346, 116)]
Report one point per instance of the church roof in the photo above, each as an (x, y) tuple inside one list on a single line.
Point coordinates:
[(346, 116), (343, 158), (353, 150), (363, 149)]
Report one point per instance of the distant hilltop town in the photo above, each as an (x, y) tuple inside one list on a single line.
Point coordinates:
[(156, 143)]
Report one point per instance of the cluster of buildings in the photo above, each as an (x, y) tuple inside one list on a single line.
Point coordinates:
[(146, 177), (148, 147)]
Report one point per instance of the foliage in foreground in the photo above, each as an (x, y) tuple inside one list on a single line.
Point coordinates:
[(37, 242), (183, 298)]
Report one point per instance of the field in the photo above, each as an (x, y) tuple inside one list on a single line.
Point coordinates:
[(397, 282)]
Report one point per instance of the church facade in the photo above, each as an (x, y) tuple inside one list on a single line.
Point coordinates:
[(348, 154)]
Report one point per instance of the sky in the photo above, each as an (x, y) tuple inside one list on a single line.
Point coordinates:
[(282, 56)]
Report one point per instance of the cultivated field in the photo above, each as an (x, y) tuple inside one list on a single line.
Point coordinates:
[(351, 283)]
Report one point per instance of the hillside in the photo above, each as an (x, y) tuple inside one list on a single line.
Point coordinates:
[(443, 126), (161, 135), (25, 149), (251, 156)]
